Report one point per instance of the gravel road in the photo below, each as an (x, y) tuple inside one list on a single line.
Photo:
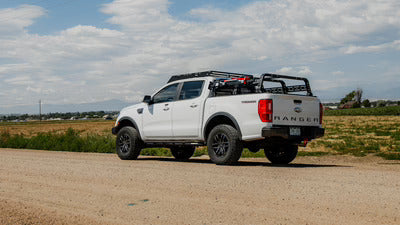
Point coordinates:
[(40, 187)]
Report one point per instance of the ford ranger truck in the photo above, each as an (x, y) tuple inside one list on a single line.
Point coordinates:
[(225, 112)]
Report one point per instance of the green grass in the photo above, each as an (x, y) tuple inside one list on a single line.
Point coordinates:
[(379, 111), (305, 153), (248, 154), (156, 152), (49, 122), (69, 141), (389, 156), (358, 136), (72, 141)]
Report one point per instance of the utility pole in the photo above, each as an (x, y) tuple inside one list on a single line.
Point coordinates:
[(40, 110)]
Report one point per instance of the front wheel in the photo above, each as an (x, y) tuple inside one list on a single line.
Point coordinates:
[(224, 145), (128, 143), (282, 153), (183, 153)]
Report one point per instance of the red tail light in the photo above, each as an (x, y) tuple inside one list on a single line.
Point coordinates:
[(265, 110), (321, 112)]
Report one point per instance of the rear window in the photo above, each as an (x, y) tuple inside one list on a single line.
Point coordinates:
[(191, 89)]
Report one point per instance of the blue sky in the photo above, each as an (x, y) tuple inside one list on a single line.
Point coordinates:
[(63, 14), (72, 51)]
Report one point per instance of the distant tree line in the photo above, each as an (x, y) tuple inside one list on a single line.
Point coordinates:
[(63, 116), (354, 100)]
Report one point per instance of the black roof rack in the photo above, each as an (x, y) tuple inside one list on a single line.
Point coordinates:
[(210, 73), (285, 89), (256, 82)]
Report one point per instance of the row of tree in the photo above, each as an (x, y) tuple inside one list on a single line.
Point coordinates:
[(354, 100), (63, 116)]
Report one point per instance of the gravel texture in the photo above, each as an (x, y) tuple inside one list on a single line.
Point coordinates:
[(41, 187)]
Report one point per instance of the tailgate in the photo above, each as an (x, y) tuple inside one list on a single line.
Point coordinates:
[(294, 110)]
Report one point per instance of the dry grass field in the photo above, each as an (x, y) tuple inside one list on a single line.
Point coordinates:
[(354, 135), (360, 135), (30, 129)]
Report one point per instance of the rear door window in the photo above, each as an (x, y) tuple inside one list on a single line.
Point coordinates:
[(191, 89)]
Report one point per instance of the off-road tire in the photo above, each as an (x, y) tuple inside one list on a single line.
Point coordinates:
[(224, 145), (128, 143), (182, 153), (281, 153)]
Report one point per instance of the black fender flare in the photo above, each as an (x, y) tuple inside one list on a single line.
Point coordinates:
[(118, 127), (229, 116)]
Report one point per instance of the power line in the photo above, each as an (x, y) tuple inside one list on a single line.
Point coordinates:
[(40, 110)]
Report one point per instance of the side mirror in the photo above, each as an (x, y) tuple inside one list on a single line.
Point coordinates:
[(147, 99)]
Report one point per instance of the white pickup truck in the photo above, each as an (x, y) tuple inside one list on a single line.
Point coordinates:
[(226, 112)]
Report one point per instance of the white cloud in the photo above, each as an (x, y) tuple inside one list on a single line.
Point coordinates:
[(325, 84), (285, 70), (304, 70), (36, 90), (208, 14), (300, 70), (394, 45), (20, 80), (337, 73), (83, 63), (14, 20)]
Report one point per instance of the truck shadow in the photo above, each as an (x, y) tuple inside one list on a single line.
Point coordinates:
[(244, 163)]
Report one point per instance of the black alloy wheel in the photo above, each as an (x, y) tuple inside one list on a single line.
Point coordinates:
[(128, 143), (224, 145)]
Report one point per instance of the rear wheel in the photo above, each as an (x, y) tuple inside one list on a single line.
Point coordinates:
[(282, 153), (224, 145), (128, 143), (183, 153)]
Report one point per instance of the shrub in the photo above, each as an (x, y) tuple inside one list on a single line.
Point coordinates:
[(69, 141), (366, 103), (381, 111)]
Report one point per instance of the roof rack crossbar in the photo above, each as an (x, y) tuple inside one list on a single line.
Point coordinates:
[(210, 73)]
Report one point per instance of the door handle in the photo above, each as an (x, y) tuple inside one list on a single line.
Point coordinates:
[(193, 106), (166, 109)]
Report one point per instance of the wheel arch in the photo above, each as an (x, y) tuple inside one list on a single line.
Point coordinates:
[(218, 119), (127, 121)]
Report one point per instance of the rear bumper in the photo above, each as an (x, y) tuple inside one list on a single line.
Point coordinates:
[(283, 132)]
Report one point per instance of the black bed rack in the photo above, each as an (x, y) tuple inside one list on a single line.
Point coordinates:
[(210, 73), (284, 89), (256, 83)]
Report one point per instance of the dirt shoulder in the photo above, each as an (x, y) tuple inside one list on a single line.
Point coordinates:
[(40, 187), (19, 212)]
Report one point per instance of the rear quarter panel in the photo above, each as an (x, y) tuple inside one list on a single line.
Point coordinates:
[(244, 108)]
